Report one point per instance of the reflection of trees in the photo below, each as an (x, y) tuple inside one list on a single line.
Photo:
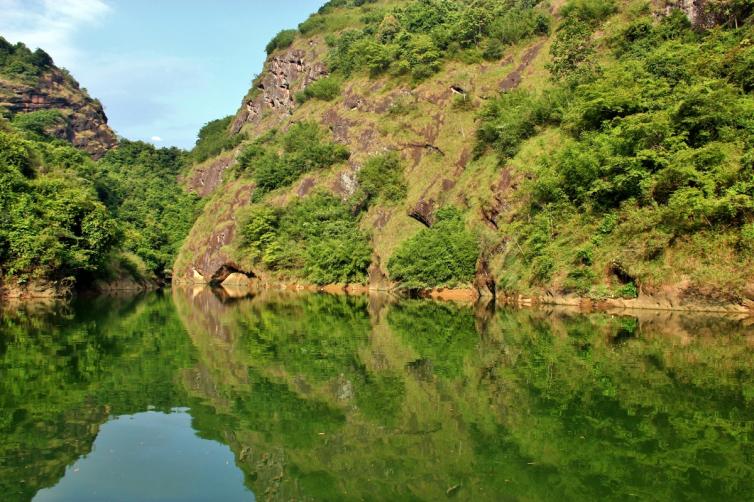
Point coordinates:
[(63, 371), (658, 417), (588, 406), (321, 400)]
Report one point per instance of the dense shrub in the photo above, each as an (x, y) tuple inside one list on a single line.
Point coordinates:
[(215, 137), (654, 151), (138, 182), (303, 149), (414, 38), (41, 123), (325, 89), (282, 40), (52, 225), (513, 117), (381, 178), (18, 62), (444, 255), (589, 11), (316, 237)]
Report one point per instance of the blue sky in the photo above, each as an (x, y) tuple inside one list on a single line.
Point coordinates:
[(162, 68)]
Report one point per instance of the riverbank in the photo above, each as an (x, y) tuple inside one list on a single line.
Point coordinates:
[(666, 299)]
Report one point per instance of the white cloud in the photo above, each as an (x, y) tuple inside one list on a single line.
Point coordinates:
[(156, 139), (50, 24)]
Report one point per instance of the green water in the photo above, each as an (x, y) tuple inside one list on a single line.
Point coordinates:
[(189, 396)]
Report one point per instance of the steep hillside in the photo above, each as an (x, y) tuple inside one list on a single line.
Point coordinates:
[(31, 83), (556, 150), (66, 219)]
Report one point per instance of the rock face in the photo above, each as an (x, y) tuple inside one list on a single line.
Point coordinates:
[(206, 257), (697, 11), (284, 75), (204, 180), (35, 289), (85, 124)]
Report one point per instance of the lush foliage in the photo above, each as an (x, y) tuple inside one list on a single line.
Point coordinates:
[(64, 216), (443, 255), (282, 40), (512, 117), (325, 89), (214, 138), (40, 124), (381, 179), (52, 224), (657, 149), (138, 182), (317, 237), (18, 62), (415, 37), (277, 160)]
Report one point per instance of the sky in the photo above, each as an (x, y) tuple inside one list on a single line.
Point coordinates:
[(161, 68)]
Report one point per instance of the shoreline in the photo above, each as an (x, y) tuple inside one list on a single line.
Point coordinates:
[(239, 287), (471, 295)]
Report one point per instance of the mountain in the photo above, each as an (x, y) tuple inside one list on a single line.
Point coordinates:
[(31, 83), (77, 208), (565, 151)]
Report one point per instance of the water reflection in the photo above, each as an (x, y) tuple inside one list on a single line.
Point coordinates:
[(151, 456), (336, 397)]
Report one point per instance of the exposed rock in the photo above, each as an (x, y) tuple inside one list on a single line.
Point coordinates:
[(513, 79), (346, 183), (338, 125), (383, 216), (498, 203), (695, 10), (377, 278), (204, 180), (85, 123), (208, 254), (484, 281), (343, 389), (36, 289), (428, 146), (424, 211), (236, 280), (305, 187), (284, 75)]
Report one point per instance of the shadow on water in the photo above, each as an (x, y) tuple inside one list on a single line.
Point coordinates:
[(324, 397)]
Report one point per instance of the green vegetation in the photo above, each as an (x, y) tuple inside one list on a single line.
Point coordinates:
[(381, 180), (18, 62), (52, 224), (66, 217), (325, 89), (655, 159), (316, 237), (443, 255), (303, 149), (214, 138), (138, 182), (415, 38), (282, 40), (39, 124)]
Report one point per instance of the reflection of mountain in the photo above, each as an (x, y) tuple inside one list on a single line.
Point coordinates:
[(64, 371), (324, 402), (328, 397)]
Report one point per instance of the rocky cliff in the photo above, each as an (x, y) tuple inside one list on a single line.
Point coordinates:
[(84, 121), (433, 123)]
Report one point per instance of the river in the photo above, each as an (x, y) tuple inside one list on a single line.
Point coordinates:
[(192, 395)]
